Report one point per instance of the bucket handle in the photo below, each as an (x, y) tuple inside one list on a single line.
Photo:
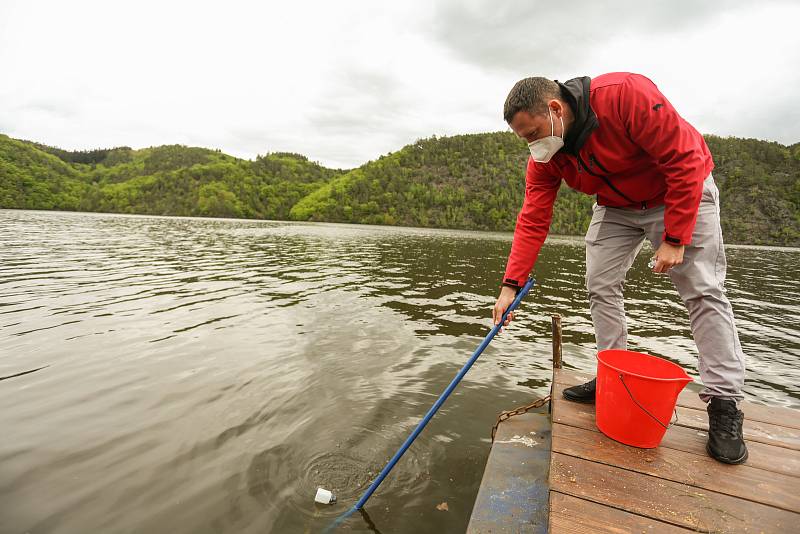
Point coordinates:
[(666, 427)]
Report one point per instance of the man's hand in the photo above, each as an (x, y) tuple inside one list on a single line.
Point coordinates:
[(667, 257), (507, 296)]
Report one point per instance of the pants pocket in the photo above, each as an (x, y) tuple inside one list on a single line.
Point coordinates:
[(710, 191), (598, 214)]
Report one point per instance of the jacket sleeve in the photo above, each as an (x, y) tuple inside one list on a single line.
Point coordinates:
[(679, 150), (533, 221)]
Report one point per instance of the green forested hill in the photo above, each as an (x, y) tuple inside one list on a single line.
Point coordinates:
[(165, 180), (473, 182), (32, 178), (759, 185), (466, 181)]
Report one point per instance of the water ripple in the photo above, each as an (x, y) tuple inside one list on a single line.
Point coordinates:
[(215, 372)]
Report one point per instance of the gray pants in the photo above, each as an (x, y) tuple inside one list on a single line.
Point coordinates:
[(614, 238)]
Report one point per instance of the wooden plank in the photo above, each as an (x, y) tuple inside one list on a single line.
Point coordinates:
[(743, 481), (776, 415), (664, 500), (563, 410), (770, 434), (570, 515), (571, 377), (762, 456), (780, 436)]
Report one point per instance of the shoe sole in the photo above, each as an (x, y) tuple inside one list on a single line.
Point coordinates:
[(725, 460), (582, 401)]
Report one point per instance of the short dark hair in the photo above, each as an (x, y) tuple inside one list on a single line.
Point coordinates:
[(531, 95)]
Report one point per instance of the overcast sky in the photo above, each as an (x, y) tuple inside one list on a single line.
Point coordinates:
[(344, 82)]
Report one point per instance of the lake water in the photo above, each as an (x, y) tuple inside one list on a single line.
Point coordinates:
[(207, 375)]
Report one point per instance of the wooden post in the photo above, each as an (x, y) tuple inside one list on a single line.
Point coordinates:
[(556, 341)]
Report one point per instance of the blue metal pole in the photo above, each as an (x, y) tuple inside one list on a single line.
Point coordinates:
[(524, 291)]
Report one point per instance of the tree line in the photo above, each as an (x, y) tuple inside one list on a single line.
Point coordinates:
[(466, 181)]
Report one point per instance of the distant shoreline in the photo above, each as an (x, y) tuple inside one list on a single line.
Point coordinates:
[(421, 229), (463, 182)]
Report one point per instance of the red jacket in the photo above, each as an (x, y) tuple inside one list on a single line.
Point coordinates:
[(630, 148)]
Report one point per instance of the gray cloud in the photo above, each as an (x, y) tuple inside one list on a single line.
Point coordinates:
[(517, 38), (357, 99), (59, 108), (776, 122), (365, 80), (515, 35), (372, 107)]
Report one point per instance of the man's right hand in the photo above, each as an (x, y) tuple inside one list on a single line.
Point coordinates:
[(507, 296)]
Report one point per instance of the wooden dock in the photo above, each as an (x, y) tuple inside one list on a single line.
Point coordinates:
[(598, 485)]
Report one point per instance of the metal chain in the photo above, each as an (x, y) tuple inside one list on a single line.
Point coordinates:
[(518, 411)]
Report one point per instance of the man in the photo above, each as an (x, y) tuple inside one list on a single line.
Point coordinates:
[(618, 138)]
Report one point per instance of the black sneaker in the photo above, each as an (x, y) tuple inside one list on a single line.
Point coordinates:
[(581, 393), (725, 439)]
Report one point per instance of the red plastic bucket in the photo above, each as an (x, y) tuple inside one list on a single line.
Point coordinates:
[(636, 396)]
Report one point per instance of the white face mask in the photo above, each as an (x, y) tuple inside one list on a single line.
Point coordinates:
[(545, 148)]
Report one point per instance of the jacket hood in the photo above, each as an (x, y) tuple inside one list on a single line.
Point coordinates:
[(576, 93)]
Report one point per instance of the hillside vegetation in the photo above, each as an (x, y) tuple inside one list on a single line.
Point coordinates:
[(467, 181)]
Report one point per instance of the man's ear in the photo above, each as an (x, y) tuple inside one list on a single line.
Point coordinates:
[(558, 108)]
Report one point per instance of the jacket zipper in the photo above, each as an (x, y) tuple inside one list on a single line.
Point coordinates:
[(605, 178), (592, 159)]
